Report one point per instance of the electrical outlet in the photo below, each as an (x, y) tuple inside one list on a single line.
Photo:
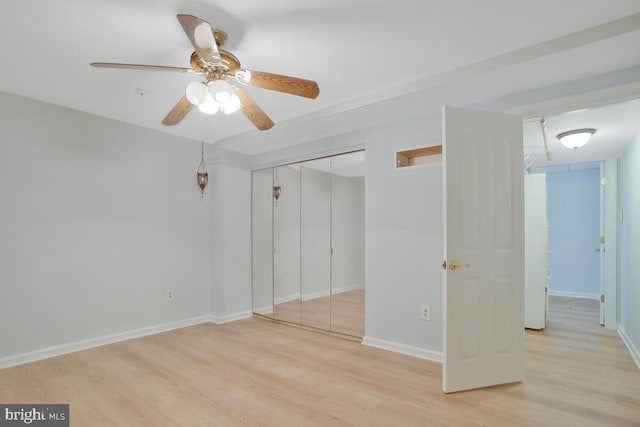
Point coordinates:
[(170, 295), (425, 312)]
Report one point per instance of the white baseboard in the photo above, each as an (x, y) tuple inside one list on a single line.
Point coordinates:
[(347, 289), (314, 295), (574, 294), (218, 320), (59, 350), (264, 310), (422, 353), (326, 293), (632, 348), (286, 298)]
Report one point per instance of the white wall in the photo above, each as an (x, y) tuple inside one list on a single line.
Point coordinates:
[(230, 242), (262, 241), (404, 240), (629, 247), (98, 220)]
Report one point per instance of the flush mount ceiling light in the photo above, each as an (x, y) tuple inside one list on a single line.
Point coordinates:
[(576, 138)]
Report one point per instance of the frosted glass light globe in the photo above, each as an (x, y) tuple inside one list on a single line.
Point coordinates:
[(576, 138), (197, 93), (221, 91), (210, 106), (232, 106)]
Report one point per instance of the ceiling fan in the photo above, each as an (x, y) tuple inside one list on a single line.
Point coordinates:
[(223, 78)]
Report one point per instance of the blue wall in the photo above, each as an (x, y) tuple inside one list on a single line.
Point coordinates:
[(573, 212)]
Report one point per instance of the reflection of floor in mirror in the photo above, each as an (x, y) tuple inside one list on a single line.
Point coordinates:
[(343, 314)]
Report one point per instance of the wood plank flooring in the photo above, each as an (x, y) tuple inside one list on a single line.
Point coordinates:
[(256, 372), (342, 313)]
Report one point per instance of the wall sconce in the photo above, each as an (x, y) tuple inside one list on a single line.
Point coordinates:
[(576, 138), (277, 189), (202, 176)]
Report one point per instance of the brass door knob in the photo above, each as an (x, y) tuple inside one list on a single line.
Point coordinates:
[(453, 265)]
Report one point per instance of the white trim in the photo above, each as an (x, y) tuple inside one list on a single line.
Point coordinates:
[(314, 295), (422, 353), (59, 350), (582, 295), (334, 291), (286, 298), (218, 320), (269, 309), (632, 348), (347, 289), (264, 310)]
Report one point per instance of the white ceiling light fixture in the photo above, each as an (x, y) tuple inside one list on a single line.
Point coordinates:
[(232, 105), (209, 106), (213, 96), (576, 138), (197, 93), (221, 91)]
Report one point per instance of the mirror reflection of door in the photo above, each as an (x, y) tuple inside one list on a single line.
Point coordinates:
[(286, 243)]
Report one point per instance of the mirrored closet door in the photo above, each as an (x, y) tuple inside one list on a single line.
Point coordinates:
[(308, 243), (286, 243), (347, 243), (315, 221)]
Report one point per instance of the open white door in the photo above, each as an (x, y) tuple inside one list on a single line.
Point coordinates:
[(535, 250), (484, 249), (601, 247)]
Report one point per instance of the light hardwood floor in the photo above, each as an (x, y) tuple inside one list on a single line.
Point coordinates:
[(257, 372), (342, 313)]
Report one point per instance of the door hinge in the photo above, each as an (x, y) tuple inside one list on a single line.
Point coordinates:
[(602, 298), (602, 239), (444, 265), (603, 181)]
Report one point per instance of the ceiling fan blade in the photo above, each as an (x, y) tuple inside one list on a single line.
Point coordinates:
[(142, 67), (201, 37), (286, 84), (254, 113), (178, 112)]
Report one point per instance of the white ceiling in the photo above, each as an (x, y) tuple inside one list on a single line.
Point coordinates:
[(615, 124), (374, 60)]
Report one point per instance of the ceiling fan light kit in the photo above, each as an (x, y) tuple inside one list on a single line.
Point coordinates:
[(209, 106), (221, 71), (197, 93), (576, 138)]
